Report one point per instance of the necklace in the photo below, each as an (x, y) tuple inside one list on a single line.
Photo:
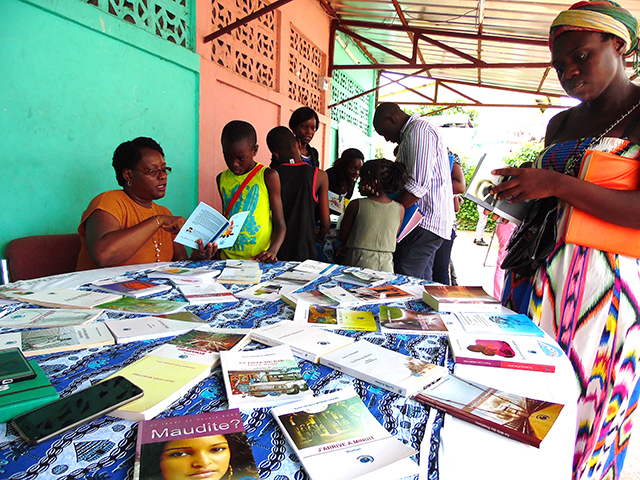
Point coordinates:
[(157, 244)]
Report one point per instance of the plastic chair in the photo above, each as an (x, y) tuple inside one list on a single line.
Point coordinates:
[(42, 255)]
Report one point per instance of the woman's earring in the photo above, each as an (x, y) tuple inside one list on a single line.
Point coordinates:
[(230, 472), (129, 183)]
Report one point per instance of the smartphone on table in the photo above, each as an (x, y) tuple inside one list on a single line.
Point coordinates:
[(14, 367), (81, 407)]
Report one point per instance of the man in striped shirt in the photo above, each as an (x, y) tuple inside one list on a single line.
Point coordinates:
[(421, 149)]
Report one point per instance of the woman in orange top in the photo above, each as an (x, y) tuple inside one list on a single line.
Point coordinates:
[(126, 227)]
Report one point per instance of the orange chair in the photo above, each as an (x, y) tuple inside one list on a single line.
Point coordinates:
[(42, 255)]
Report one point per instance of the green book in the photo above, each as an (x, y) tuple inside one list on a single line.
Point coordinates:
[(21, 397), (148, 306)]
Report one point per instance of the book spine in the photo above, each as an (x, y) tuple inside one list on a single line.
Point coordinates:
[(479, 421), (364, 377), (532, 367)]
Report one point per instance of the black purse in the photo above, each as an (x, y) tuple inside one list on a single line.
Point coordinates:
[(534, 240)]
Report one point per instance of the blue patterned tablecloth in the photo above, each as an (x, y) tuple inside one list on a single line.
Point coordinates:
[(104, 448)]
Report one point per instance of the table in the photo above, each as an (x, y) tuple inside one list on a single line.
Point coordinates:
[(104, 448)]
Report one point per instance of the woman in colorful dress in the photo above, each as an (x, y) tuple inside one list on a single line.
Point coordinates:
[(589, 299)]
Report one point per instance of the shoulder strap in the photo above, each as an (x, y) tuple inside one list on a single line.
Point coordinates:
[(629, 130), (236, 196)]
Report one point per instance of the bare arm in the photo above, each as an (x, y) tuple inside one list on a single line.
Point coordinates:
[(401, 218), (457, 179), (347, 220), (322, 193), (110, 245), (272, 181), (406, 199)]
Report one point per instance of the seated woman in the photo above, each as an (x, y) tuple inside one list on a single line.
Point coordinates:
[(125, 227), (345, 172)]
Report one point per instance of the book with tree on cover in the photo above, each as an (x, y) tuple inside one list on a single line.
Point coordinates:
[(132, 288), (127, 330), (535, 354), (213, 340), (164, 374), (62, 339), (400, 320), (334, 318), (61, 297), (144, 306), (19, 397), (521, 418), (49, 317), (444, 298), (336, 437), (262, 378), (172, 444), (385, 368), (205, 293), (209, 225), (305, 341), (183, 273), (492, 323), (240, 272)]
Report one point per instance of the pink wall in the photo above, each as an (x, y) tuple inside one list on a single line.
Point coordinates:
[(226, 95)]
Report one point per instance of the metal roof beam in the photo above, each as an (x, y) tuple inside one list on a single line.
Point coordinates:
[(477, 62), (356, 36), (474, 105), (440, 66)]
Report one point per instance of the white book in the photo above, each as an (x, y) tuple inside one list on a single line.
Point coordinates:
[(204, 293), (314, 266), (147, 328), (305, 342), (209, 225), (183, 273), (284, 284), (364, 277), (385, 368), (334, 318), (49, 317), (262, 378), (337, 438), (491, 324), (62, 339), (327, 296), (241, 271), (62, 297)]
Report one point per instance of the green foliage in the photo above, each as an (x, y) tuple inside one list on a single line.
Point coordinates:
[(426, 110), (527, 153)]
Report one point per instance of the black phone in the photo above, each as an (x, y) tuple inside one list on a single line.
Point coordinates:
[(14, 367), (57, 417)]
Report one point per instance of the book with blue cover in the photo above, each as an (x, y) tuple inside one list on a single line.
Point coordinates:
[(492, 323)]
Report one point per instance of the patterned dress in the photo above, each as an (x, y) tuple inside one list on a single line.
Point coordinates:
[(588, 300)]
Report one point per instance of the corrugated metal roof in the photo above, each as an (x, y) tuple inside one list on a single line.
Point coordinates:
[(489, 43)]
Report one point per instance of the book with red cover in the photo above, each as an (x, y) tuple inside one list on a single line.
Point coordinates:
[(580, 228)]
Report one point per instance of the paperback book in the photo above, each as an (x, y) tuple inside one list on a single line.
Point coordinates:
[(262, 378), (62, 339), (241, 272), (491, 324), (164, 374), (273, 289), (205, 293), (62, 297), (364, 277), (382, 294), (132, 288), (217, 438), (334, 318), (314, 266), (305, 341), (326, 297), (49, 317), (209, 225), (147, 328), (521, 418), (459, 299), (20, 397), (385, 368), (337, 438), (400, 320), (213, 340), (505, 351), (183, 273), (144, 306)]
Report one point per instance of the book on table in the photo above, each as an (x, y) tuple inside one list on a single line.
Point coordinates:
[(170, 444), (49, 317), (213, 340), (144, 306), (479, 192), (262, 378), (305, 341), (492, 323), (327, 296), (20, 397), (165, 374), (210, 226), (383, 294), (385, 368), (241, 272), (314, 266), (524, 419), (132, 288), (184, 273), (336, 437), (127, 330), (400, 320), (60, 339), (284, 284), (364, 277), (535, 354), (334, 318), (444, 298), (205, 293), (61, 297)]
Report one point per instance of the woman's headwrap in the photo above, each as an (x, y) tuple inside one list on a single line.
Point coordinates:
[(599, 16)]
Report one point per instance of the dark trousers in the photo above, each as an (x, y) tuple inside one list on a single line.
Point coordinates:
[(416, 252), (442, 261)]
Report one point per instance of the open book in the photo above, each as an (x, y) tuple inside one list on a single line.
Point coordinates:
[(208, 224), (479, 192)]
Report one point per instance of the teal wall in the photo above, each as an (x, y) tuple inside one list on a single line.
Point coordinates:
[(76, 82)]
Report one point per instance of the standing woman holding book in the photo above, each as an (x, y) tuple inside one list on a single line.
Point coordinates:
[(588, 298)]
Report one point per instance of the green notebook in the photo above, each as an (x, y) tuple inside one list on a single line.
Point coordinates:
[(21, 397)]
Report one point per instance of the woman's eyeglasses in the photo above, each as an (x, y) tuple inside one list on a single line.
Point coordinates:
[(155, 172)]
